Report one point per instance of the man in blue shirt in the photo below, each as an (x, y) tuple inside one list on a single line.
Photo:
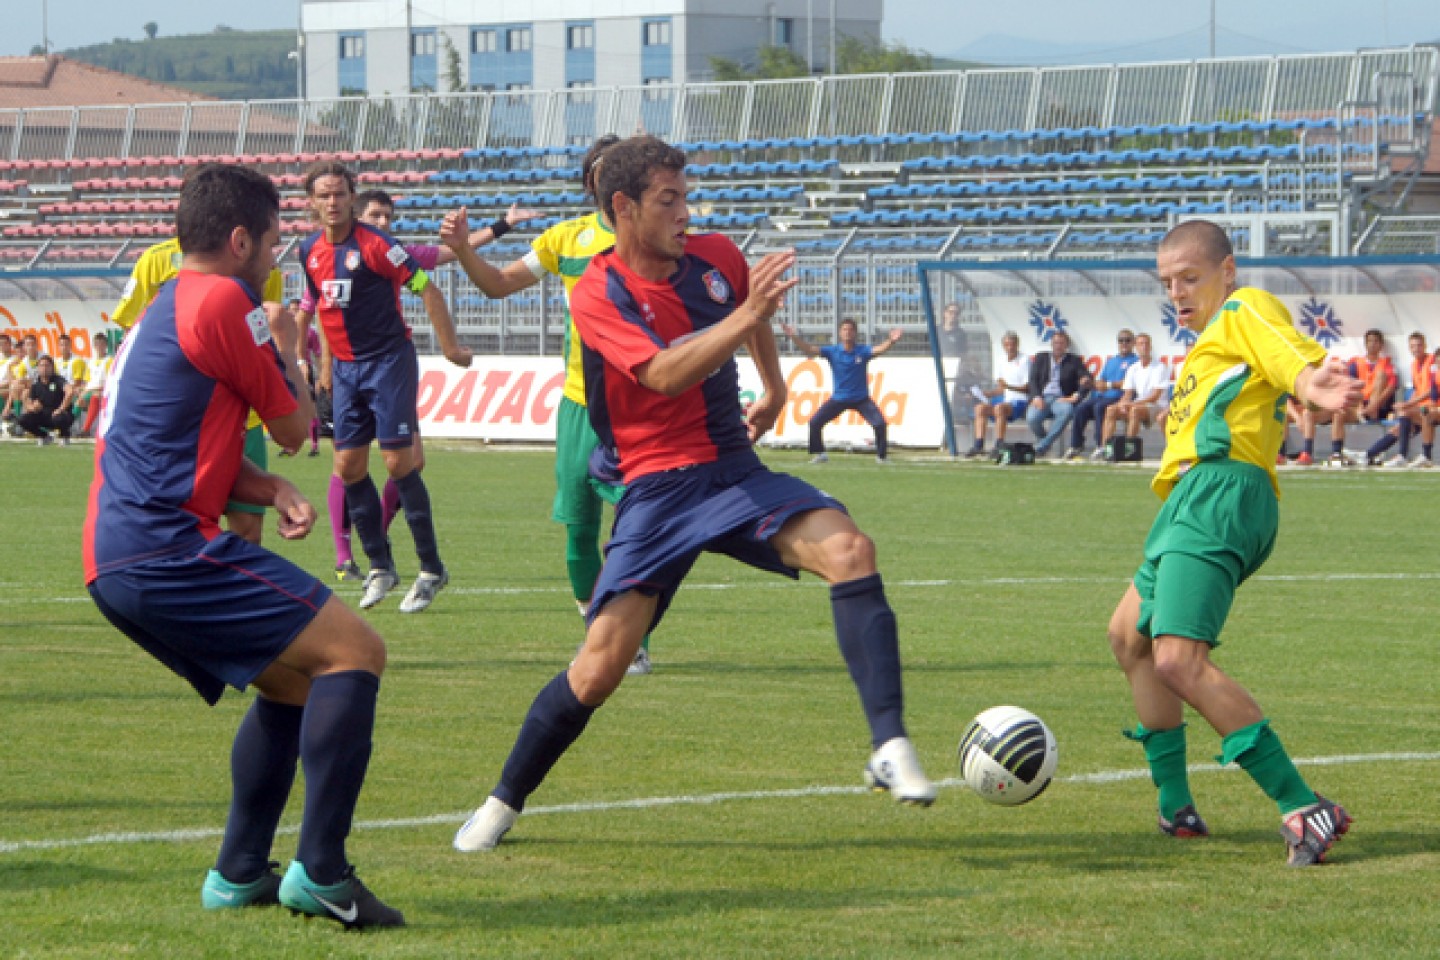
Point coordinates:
[(848, 364), (1109, 388)]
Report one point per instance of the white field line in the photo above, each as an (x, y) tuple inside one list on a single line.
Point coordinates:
[(785, 584), (648, 803)]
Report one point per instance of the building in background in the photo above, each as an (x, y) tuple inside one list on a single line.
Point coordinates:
[(395, 46)]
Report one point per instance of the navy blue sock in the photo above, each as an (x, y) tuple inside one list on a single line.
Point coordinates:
[(870, 644), (1405, 434), (1336, 446), (415, 500), (362, 501), (262, 770), (556, 720), (1308, 446), (1385, 442), (335, 749)]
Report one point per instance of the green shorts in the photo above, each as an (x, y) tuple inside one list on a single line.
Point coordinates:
[(1215, 530), (579, 498), (257, 452)]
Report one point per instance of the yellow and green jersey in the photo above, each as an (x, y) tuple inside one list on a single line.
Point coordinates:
[(565, 251), (1229, 399), (157, 266), (74, 370)]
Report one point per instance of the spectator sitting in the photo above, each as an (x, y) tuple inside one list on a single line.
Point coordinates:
[(1418, 411), (1140, 400), (1108, 388), (89, 403), (1006, 401), (1377, 373), (45, 406), (73, 369), (7, 373), (22, 372), (1056, 381)]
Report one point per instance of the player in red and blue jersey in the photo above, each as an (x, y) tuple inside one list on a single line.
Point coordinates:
[(355, 274), (213, 607), (661, 316)]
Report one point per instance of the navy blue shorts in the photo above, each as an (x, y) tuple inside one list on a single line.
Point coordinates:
[(375, 400), (217, 617), (666, 520)]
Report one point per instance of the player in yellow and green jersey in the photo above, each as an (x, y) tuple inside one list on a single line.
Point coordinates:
[(564, 251), (1216, 527), (157, 266)]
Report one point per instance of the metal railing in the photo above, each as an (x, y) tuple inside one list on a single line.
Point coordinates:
[(1014, 98)]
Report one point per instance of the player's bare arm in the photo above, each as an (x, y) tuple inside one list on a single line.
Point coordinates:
[(803, 345), (681, 366), (515, 216), (492, 281), (895, 334), (1328, 387), (761, 416), (440, 319), (262, 488)]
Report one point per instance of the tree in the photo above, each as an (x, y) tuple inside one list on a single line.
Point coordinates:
[(37, 51), (151, 29), (773, 63), (454, 80), (854, 55)]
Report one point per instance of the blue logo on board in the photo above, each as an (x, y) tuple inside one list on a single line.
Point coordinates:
[(1319, 321), (1047, 320), (1178, 332)]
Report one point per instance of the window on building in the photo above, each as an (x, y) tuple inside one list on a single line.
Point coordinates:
[(657, 33), (656, 88), (785, 32), (482, 41), (422, 44), (580, 37), (517, 40), (352, 48), (580, 91)]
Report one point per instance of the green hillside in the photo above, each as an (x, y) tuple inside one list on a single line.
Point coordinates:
[(228, 64)]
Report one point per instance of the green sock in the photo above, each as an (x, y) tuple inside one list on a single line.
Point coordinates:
[(1165, 752), (582, 557), (1259, 752)]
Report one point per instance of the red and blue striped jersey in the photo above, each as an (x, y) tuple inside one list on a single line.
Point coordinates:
[(171, 433), (356, 286), (624, 320)]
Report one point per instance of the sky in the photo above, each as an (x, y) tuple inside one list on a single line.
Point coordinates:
[(1039, 31)]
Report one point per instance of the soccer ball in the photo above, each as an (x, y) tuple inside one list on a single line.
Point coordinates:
[(1008, 756)]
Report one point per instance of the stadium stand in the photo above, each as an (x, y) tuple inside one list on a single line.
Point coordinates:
[(863, 175)]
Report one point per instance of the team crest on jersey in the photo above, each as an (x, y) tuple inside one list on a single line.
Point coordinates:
[(259, 326), (647, 313), (716, 285), (336, 293), (396, 255), (585, 237), (1319, 320), (1179, 333), (352, 260), (1047, 320)]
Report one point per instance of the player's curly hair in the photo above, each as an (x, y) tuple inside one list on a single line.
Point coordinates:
[(218, 197), (627, 168), (592, 158)]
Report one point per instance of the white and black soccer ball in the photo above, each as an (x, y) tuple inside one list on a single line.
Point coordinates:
[(1008, 756)]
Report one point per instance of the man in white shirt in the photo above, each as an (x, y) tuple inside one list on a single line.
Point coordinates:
[(1144, 386), (1006, 401)]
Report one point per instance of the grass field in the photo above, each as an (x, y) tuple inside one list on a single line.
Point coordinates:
[(715, 808)]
